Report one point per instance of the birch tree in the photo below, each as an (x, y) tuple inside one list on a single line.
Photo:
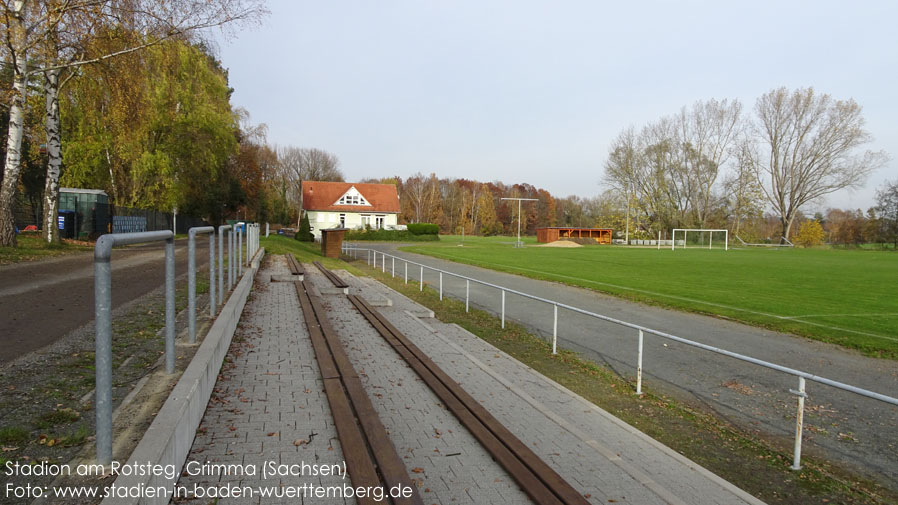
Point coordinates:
[(809, 146), (58, 25)]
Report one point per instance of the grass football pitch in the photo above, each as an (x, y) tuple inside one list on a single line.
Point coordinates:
[(848, 297)]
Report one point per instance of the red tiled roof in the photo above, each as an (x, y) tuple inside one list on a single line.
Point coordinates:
[(318, 195)]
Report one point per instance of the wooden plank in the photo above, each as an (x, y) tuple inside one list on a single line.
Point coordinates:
[(326, 364), (389, 463), (359, 464), (530, 483), (536, 466)]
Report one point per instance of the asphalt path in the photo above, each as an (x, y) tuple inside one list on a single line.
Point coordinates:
[(42, 301), (847, 428)]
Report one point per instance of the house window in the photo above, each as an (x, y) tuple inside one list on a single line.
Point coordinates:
[(352, 197), (379, 222), (342, 220), (366, 220)]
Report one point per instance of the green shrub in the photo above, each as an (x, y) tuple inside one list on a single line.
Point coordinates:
[(389, 235), (305, 230), (424, 229)]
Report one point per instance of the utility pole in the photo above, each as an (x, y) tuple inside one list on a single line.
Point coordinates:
[(519, 243)]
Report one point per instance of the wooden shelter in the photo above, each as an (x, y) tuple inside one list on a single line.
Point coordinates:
[(546, 235)]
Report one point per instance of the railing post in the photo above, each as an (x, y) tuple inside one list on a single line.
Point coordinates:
[(393, 260), (170, 305), (639, 366), (383, 262), (103, 354), (422, 279), (799, 422), (191, 284), (212, 273), (406, 271), (555, 331), (240, 250), (222, 231), (103, 322), (467, 293), (441, 286), (503, 308), (191, 276), (231, 240)]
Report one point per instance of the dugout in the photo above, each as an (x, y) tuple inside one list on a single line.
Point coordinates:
[(551, 234)]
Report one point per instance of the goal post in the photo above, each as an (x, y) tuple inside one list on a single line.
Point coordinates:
[(702, 235)]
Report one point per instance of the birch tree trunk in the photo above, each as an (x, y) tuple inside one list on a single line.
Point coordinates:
[(17, 41), (54, 154)]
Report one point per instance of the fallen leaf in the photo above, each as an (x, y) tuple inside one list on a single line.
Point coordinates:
[(10, 449), (301, 441), (417, 469)]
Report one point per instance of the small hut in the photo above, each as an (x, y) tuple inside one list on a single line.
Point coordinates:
[(551, 234)]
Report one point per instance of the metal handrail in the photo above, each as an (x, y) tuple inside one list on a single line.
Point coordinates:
[(103, 321), (802, 376)]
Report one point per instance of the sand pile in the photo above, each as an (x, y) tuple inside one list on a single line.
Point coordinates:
[(561, 243)]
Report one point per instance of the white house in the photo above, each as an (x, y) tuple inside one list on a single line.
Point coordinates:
[(349, 205)]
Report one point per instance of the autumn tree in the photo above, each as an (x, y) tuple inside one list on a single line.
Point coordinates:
[(808, 147), (59, 28)]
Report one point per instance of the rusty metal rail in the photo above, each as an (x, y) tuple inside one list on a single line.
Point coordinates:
[(371, 459), (543, 484)]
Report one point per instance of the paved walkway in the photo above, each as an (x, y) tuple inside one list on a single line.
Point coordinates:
[(269, 409), (858, 432)]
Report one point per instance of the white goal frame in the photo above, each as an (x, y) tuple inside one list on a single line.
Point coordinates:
[(726, 237)]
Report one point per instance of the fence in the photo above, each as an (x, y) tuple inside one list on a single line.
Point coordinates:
[(103, 307), (92, 219), (371, 258)]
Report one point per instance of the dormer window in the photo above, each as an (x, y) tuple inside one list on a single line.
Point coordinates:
[(352, 197)]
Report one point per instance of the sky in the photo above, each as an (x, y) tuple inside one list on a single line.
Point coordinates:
[(536, 91)]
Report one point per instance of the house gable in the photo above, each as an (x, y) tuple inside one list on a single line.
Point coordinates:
[(352, 197)]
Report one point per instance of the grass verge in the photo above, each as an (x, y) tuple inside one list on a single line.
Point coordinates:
[(32, 247), (754, 465)]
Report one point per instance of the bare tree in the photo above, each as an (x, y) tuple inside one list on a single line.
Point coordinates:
[(706, 134), (808, 148), (307, 164)]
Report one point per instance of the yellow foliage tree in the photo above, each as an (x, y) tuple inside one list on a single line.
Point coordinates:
[(810, 234)]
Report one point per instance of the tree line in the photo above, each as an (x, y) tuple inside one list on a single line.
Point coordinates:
[(715, 165)]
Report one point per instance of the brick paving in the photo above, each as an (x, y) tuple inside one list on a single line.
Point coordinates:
[(269, 400)]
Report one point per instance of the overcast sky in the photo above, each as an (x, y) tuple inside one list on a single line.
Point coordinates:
[(534, 91)]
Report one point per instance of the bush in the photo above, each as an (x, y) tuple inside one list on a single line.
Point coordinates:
[(424, 229), (389, 235), (305, 230), (810, 234)]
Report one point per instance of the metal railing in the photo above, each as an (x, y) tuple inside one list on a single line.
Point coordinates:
[(351, 250), (191, 277), (103, 304), (103, 320)]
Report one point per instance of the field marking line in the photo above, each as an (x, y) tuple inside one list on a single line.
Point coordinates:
[(683, 298), (874, 314)]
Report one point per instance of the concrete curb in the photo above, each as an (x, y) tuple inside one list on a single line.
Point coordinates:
[(168, 440)]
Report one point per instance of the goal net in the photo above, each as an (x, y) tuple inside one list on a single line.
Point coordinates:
[(700, 238)]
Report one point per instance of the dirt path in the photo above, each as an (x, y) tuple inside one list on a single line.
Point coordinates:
[(43, 300)]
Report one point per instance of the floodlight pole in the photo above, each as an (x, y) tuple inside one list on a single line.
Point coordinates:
[(519, 244), (627, 236)]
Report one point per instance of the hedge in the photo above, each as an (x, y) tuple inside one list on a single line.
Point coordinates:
[(389, 235), (424, 229)]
